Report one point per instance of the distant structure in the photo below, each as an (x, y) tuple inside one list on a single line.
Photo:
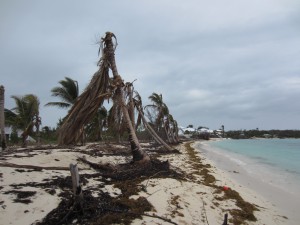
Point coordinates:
[(200, 132)]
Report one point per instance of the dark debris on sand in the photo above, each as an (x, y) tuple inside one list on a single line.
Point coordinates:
[(98, 206), (21, 196)]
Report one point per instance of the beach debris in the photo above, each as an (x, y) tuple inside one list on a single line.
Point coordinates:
[(39, 168), (22, 196), (77, 191), (225, 188)]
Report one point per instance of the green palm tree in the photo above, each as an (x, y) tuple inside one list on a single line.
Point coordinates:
[(164, 121), (67, 92), (25, 115), (141, 118), (161, 109)]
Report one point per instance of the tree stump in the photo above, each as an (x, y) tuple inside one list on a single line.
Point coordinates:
[(77, 190)]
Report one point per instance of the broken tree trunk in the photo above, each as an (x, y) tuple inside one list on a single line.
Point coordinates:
[(77, 190), (109, 51)]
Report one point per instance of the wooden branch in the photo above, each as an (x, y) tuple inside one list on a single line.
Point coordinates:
[(7, 164)]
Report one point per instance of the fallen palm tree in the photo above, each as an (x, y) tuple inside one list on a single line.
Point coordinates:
[(100, 88)]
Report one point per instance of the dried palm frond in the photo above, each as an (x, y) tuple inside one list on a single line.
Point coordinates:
[(92, 98), (86, 105)]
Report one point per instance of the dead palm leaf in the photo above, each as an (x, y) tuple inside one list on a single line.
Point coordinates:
[(86, 105)]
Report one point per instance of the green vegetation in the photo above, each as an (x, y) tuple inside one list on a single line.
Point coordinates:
[(68, 92), (25, 116), (245, 134)]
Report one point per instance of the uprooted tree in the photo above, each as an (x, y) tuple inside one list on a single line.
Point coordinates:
[(100, 88)]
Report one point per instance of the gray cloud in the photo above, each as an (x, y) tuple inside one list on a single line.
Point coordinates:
[(233, 63)]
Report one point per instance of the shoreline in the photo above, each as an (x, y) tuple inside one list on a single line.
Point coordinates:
[(284, 202), (196, 198)]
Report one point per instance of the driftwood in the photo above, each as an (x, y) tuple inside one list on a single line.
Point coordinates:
[(7, 164)]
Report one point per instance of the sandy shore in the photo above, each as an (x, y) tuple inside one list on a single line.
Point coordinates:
[(198, 198), (286, 201)]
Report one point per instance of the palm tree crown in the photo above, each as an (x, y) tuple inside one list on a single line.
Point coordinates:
[(27, 107), (160, 107), (67, 92)]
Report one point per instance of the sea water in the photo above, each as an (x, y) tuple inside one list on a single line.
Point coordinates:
[(274, 161)]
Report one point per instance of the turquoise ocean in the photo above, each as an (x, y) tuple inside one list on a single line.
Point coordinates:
[(274, 161)]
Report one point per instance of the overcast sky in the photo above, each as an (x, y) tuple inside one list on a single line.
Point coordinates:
[(233, 63)]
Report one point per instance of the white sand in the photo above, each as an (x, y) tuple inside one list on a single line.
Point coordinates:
[(184, 202), (286, 203), (196, 202)]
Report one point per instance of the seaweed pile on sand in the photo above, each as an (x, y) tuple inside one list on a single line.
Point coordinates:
[(98, 206)]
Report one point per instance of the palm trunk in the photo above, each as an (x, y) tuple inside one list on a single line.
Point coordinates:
[(2, 118), (99, 133), (131, 105), (175, 130), (172, 136), (153, 133), (137, 152), (37, 125), (26, 133), (167, 131)]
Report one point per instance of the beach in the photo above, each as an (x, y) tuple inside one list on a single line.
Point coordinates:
[(198, 191), (283, 196)]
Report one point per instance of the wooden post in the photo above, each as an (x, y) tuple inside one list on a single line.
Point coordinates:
[(77, 190), (225, 219)]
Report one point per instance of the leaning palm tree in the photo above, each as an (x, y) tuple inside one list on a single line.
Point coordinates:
[(161, 109), (100, 88), (67, 92), (174, 128), (162, 116), (141, 118), (2, 118), (25, 115)]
